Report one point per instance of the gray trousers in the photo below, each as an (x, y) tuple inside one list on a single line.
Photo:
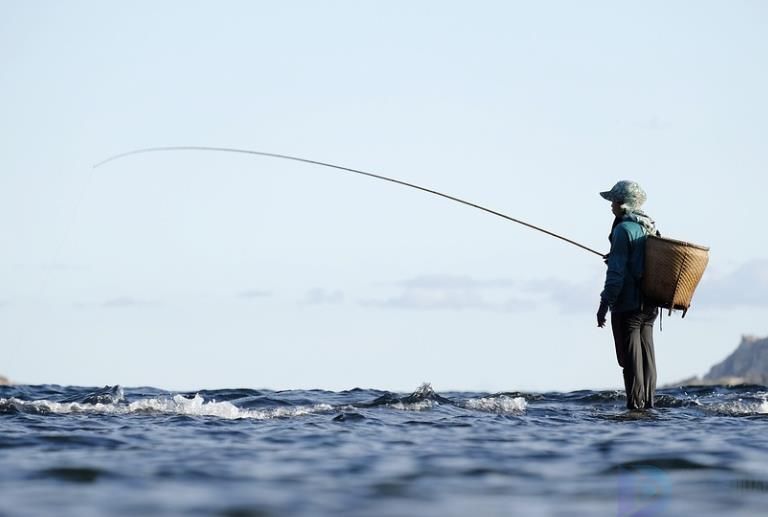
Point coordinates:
[(633, 337)]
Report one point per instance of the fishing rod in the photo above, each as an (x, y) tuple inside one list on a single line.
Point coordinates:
[(347, 169)]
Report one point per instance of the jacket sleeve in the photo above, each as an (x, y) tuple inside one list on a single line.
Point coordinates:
[(618, 260)]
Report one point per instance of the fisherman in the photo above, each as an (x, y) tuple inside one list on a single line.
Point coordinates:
[(631, 319)]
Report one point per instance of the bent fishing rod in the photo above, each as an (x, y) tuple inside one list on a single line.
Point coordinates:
[(346, 169)]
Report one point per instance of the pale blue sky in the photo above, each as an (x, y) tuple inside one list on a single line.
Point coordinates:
[(190, 270)]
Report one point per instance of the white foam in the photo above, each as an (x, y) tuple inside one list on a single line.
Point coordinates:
[(500, 404), (739, 407), (176, 405), (414, 406)]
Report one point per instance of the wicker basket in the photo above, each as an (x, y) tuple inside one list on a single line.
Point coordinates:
[(673, 269)]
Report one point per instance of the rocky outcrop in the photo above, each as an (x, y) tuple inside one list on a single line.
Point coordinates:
[(749, 361), (4, 381), (748, 364)]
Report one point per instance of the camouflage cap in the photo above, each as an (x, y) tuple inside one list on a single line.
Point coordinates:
[(626, 192)]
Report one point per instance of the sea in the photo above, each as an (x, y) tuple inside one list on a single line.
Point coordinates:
[(85, 451)]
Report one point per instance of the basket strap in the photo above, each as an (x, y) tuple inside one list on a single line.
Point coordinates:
[(677, 282)]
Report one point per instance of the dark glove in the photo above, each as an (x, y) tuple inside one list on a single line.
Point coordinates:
[(601, 312)]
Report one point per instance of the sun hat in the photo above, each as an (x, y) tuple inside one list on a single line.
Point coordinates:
[(628, 193)]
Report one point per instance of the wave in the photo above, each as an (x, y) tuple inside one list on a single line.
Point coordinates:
[(425, 398), (178, 405), (499, 404), (421, 405), (267, 404), (422, 399), (664, 464), (111, 400), (739, 407), (669, 401)]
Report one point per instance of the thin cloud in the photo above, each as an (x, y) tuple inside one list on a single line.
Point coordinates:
[(432, 299), (440, 282), (64, 267), (54, 266), (454, 293), (744, 287), (250, 294), (321, 296), (123, 302), (569, 297)]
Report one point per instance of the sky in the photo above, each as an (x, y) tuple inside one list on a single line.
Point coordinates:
[(190, 270)]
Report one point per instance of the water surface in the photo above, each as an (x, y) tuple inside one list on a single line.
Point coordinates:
[(81, 451)]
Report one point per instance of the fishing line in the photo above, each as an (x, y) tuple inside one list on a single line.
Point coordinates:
[(347, 169)]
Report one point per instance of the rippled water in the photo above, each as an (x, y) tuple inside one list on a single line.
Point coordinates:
[(237, 452)]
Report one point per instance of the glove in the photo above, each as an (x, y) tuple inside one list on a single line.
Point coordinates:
[(601, 312)]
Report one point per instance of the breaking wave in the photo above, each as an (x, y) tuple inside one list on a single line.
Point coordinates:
[(499, 404), (175, 405), (232, 404), (739, 407), (111, 400)]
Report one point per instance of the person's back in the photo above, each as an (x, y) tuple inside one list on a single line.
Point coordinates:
[(631, 320), (626, 263)]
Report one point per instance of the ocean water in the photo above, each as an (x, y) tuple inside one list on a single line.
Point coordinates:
[(79, 451)]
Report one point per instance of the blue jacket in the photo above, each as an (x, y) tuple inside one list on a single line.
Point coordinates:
[(626, 262)]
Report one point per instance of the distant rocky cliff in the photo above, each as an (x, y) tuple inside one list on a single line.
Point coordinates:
[(748, 364), (4, 381)]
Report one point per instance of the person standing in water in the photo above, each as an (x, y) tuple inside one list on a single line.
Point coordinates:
[(631, 320)]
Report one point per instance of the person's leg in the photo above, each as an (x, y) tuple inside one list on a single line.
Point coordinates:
[(629, 350), (620, 342), (649, 355), (636, 394)]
